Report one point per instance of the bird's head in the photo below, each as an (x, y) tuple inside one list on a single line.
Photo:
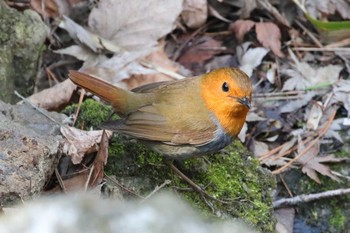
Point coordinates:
[(227, 92)]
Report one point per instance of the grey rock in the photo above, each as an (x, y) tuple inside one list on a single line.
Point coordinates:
[(29, 151)]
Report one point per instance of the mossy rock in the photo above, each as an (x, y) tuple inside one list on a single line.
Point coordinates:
[(22, 37), (239, 187)]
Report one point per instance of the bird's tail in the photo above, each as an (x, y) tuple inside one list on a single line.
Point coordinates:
[(106, 91)]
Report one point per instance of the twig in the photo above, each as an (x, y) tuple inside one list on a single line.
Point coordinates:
[(309, 197), (60, 181), (86, 185), (81, 97), (270, 8), (184, 44), (156, 189), (313, 38), (312, 143), (122, 186), (322, 49), (338, 44)]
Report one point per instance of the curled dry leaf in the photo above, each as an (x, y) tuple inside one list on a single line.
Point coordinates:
[(80, 142), (250, 58), (54, 97), (100, 161), (269, 35), (134, 25), (195, 13), (314, 116)]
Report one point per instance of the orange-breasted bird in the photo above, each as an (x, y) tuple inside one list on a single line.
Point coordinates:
[(182, 118)]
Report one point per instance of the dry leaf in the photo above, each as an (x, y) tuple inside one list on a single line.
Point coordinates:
[(341, 92), (195, 13), (311, 163), (253, 116), (287, 145), (269, 35), (158, 58), (89, 39), (303, 76), (134, 25), (241, 27), (259, 148), (243, 132), (80, 142), (250, 58), (314, 116), (329, 7), (54, 97), (294, 105), (51, 8), (100, 161), (201, 50), (83, 54)]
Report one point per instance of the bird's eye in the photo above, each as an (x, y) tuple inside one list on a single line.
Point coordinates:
[(225, 87)]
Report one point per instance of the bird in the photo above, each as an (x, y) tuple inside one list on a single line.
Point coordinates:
[(179, 119)]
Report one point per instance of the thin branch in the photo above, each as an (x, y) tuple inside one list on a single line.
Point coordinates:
[(309, 197), (156, 189)]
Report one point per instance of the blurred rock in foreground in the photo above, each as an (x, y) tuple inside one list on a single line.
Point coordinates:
[(82, 213)]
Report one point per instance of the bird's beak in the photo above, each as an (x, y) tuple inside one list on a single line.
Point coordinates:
[(245, 101)]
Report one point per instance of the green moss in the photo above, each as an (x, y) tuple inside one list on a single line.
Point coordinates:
[(92, 114), (338, 220), (243, 186)]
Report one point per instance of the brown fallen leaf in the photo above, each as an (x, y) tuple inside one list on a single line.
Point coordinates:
[(201, 50), (269, 35), (100, 162), (54, 97), (80, 142), (313, 164), (240, 28)]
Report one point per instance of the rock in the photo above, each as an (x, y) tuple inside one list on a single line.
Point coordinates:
[(88, 214), (29, 151), (22, 37)]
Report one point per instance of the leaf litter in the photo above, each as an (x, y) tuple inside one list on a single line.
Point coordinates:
[(296, 92)]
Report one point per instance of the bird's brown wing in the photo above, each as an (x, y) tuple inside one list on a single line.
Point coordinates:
[(147, 124)]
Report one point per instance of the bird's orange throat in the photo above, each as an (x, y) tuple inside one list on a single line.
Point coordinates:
[(231, 121)]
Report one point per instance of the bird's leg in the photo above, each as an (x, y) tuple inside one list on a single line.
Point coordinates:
[(196, 187)]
